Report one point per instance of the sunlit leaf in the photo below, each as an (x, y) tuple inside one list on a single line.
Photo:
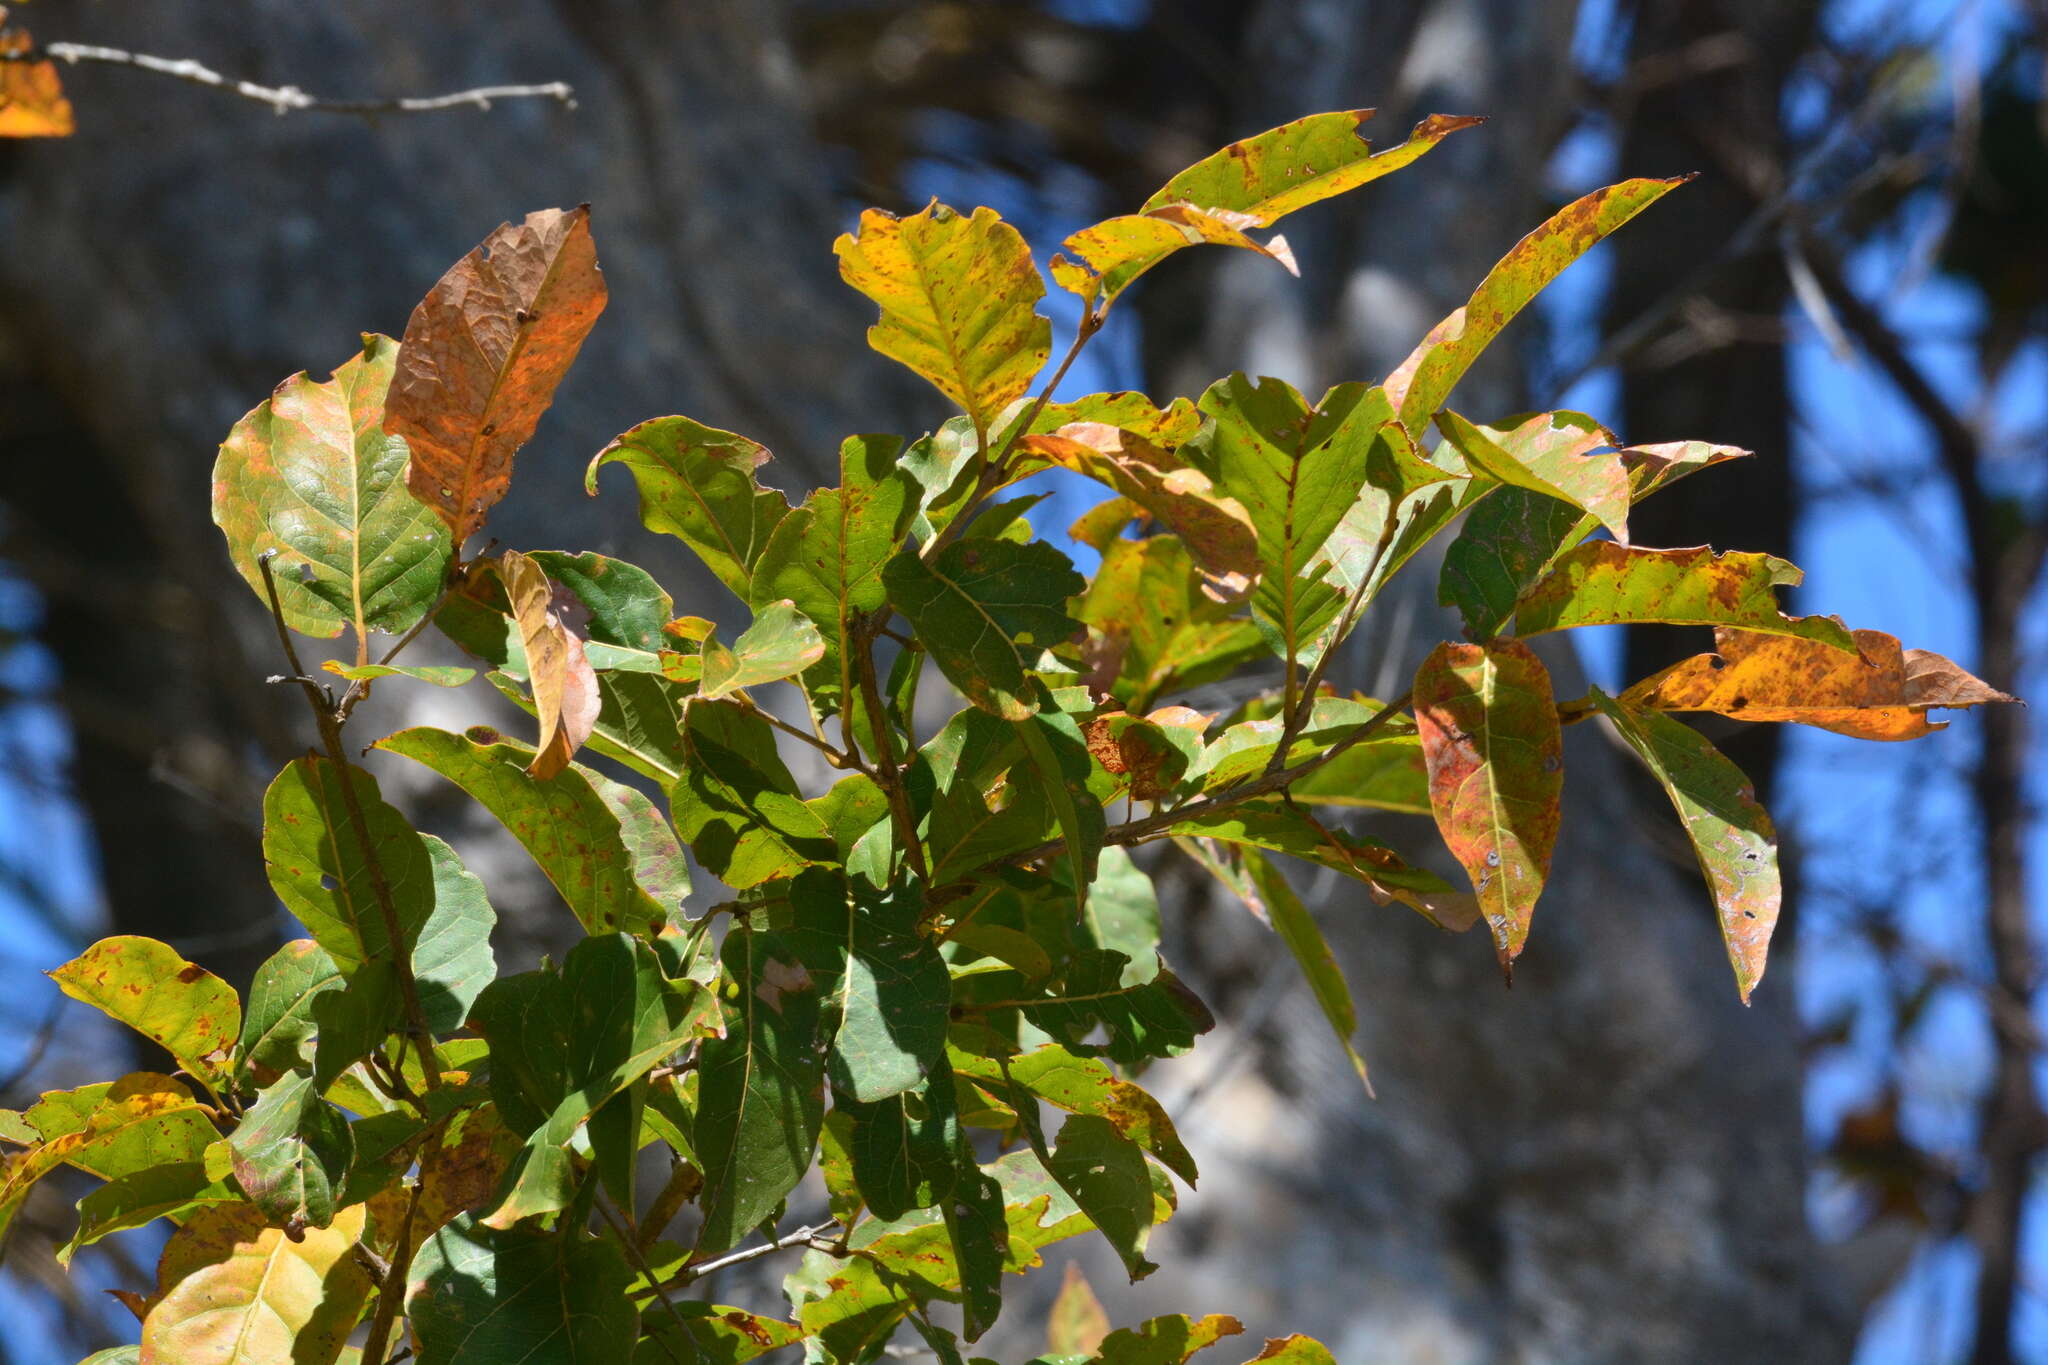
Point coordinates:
[(957, 296), (780, 643), (1085, 1085), (292, 1150), (1563, 455), (1422, 382), (1496, 773), (1166, 1340), (318, 866), (737, 805), (240, 1293), (986, 610), (1882, 692), (1601, 583), (1112, 254), (482, 355), (178, 1005), (1293, 1350), (311, 476), (697, 483), (700, 1333), (577, 839), (32, 102), (435, 674), (172, 1189), (563, 686), (1152, 630), (109, 1129), (1731, 833)]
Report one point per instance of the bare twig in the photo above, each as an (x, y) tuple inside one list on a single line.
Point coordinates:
[(811, 1235), (289, 99)]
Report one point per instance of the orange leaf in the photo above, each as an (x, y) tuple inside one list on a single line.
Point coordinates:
[(482, 355), (564, 685), (1883, 693), (32, 102), (1496, 773)]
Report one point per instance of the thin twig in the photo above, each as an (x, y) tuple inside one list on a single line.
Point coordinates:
[(289, 99), (838, 758), (391, 1292), (886, 772), (807, 1236), (630, 1241)]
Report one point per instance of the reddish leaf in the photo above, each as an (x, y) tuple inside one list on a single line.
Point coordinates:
[(1883, 693), (565, 696), (1496, 772), (482, 355)]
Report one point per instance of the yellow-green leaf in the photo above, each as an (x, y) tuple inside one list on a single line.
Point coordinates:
[(1114, 253), (781, 643), (697, 483), (109, 1130), (1601, 583), (957, 296), (178, 1005), (246, 1294), (1564, 455)]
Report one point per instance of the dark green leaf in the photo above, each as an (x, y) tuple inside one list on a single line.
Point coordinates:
[(987, 611), (292, 1151), (905, 1149), (317, 864), (476, 1296), (697, 483), (737, 805)]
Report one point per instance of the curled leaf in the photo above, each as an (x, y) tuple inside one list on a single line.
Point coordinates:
[(565, 695)]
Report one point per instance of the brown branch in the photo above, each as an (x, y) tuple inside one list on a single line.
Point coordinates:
[(886, 771), (289, 99), (391, 1291)]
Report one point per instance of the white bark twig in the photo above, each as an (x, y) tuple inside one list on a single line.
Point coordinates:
[(289, 99)]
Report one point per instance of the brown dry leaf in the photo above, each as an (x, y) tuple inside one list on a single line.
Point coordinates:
[(482, 355), (565, 696), (1883, 693), (32, 102)]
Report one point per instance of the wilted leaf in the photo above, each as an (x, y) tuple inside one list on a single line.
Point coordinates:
[(1730, 831), (1297, 929), (32, 102), (564, 687), (760, 1098), (178, 1005), (780, 643), (986, 610), (1215, 529), (697, 484), (311, 476), (291, 1151), (1418, 388), (1601, 583), (1882, 692), (482, 355), (1563, 455), (1298, 164), (245, 1294), (476, 1296), (956, 295), (578, 840), (1496, 774)]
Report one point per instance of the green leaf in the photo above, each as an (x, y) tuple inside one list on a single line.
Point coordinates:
[(1601, 584), (826, 556), (1564, 455), (781, 643), (884, 988), (110, 1129), (317, 864), (311, 476), (1496, 772), (697, 483), (1509, 541), (761, 1088), (180, 1006), (426, 673), (737, 805), (978, 1229), (1297, 929), (1120, 915), (478, 1296), (1168, 1340), (1295, 470), (1245, 749), (1105, 1172), (957, 296), (1156, 1018), (1152, 631), (1084, 1085), (451, 959), (1110, 255), (905, 1148), (1418, 388), (292, 1151), (1731, 833), (172, 1190), (1293, 1350), (1383, 773), (986, 611), (709, 1334), (354, 1021), (626, 607), (239, 1293), (575, 837), (1056, 749), (562, 1044), (1298, 164)]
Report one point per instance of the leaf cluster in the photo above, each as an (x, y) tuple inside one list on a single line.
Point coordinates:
[(929, 942)]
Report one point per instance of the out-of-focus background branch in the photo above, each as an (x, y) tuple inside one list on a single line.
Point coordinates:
[(1612, 1162)]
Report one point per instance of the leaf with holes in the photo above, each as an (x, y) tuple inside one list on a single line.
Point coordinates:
[(957, 295), (1731, 833), (311, 478), (1496, 774), (482, 355)]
